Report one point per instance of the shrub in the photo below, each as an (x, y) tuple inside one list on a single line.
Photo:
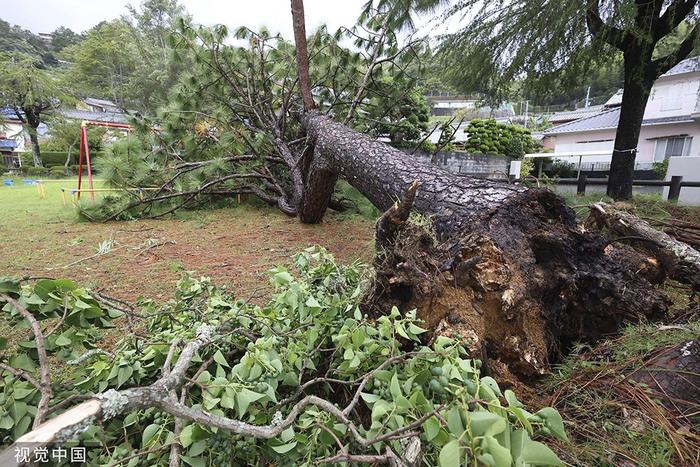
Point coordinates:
[(58, 171), (492, 137), (246, 363), (660, 169), (561, 169), (514, 148), (35, 171)]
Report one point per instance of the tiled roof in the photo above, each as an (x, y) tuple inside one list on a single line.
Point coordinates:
[(688, 65), (8, 114), (110, 117), (100, 102), (576, 114), (608, 120)]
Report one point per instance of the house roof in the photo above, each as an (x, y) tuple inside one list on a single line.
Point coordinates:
[(7, 114), (110, 117), (607, 120), (689, 65), (569, 115), (615, 99), (100, 102)]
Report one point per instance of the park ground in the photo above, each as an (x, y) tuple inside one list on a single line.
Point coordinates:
[(235, 246)]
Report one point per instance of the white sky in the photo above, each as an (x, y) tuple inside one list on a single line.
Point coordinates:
[(79, 15)]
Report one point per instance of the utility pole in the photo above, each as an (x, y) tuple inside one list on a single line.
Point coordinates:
[(527, 104), (588, 93)]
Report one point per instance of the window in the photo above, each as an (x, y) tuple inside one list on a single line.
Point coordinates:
[(674, 146)]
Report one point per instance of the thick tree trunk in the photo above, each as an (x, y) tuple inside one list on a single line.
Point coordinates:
[(36, 153), (634, 101), (505, 269)]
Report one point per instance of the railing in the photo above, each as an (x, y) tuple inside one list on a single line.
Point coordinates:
[(605, 166), (675, 184)]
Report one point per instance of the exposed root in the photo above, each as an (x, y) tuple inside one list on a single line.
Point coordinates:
[(519, 288)]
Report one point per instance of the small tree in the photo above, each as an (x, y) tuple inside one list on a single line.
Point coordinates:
[(30, 92), (65, 136)]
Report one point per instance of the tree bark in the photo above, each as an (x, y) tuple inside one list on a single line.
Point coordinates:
[(504, 268), (634, 100), (302, 54), (36, 153)]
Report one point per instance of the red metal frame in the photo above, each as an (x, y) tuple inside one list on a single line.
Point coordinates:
[(84, 149)]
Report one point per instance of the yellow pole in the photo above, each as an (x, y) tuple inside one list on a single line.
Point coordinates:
[(63, 197)]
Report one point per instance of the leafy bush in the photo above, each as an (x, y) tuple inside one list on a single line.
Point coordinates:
[(660, 169), (561, 169), (492, 137), (311, 339), (58, 171), (35, 171)]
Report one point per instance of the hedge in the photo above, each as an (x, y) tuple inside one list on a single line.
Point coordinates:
[(57, 158)]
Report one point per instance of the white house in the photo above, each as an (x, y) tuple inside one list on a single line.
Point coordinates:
[(671, 126)]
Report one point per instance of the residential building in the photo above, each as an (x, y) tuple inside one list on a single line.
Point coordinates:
[(671, 125)]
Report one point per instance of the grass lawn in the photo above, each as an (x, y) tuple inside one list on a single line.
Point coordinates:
[(235, 246)]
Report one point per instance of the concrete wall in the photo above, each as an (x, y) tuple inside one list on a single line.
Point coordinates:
[(689, 169), (469, 164)]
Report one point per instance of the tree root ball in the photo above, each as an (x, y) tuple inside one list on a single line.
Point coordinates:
[(518, 285)]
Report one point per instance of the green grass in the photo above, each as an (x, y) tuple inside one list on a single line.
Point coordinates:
[(22, 204)]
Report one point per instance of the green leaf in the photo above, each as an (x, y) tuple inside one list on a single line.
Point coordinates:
[(431, 428), (500, 454), (484, 423), (244, 398), (124, 375), (149, 434), (9, 284), (22, 362), (3, 343), (454, 422), (282, 278), (284, 448), (220, 359), (395, 387), (512, 400), (536, 453), (63, 341), (449, 455), (186, 436), (553, 421)]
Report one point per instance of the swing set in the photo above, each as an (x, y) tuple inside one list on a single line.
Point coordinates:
[(85, 153)]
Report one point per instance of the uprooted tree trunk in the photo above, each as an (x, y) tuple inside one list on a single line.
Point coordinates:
[(502, 266)]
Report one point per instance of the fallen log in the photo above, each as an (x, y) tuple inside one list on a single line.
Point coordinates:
[(679, 260), (503, 267)]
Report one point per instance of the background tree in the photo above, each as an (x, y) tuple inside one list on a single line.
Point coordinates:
[(64, 135), (30, 92), (504, 42), (129, 59), (14, 39)]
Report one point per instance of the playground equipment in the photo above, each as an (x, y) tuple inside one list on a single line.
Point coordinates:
[(85, 150), (75, 193)]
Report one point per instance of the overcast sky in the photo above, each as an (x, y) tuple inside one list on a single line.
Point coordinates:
[(79, 15)]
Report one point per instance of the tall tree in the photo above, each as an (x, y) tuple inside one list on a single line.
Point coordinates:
[(30, 92), (505, 41)]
